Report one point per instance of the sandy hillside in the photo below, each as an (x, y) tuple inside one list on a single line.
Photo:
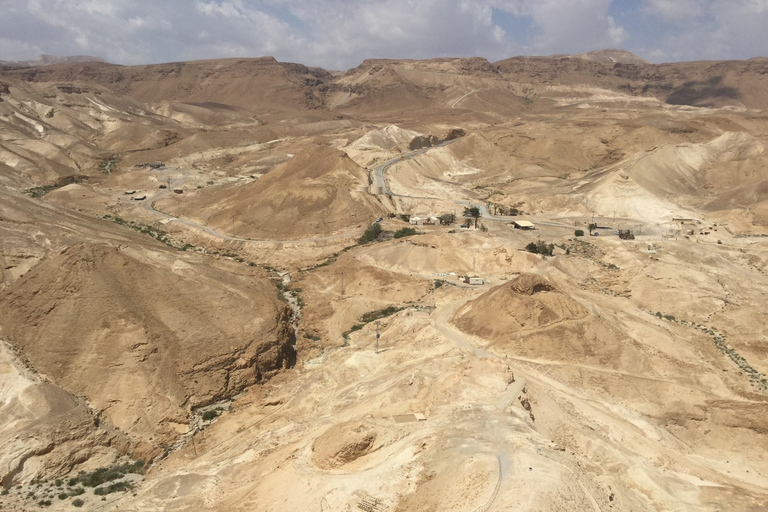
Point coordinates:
[(105, 314), (46, 429), (214, 314), (119, 307), (317, 192)]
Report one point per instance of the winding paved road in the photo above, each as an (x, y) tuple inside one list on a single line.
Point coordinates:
[(379, 170), (178, 181)]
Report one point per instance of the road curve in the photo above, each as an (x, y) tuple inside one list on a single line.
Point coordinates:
[(379, 170)]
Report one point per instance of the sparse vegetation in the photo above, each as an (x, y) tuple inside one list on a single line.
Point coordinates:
[(540, 247), (37, 192), (107, 165), (78, 503), (400, 233), (115, 487), (474, 213), (157, 234), (757, 378), (103, 475), (371, 233), (211, 414), (370, 317), (579, 232), (331, 259)]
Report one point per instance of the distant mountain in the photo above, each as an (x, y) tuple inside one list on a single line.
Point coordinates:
[(47, 60)]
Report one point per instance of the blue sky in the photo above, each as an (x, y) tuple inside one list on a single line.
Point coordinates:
[(339, 34)]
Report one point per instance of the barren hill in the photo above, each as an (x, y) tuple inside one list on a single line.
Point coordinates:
[(136, 327), (317, 192), (180, 281), (258, 84)]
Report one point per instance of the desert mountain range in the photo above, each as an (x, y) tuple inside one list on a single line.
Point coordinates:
[(224, 285)]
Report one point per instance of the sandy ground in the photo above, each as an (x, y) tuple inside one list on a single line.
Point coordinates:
[(613, 375)]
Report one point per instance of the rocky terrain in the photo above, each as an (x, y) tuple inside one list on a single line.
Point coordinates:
[(218, 290)]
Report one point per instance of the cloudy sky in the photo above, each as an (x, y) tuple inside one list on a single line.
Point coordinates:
[(339, 34)]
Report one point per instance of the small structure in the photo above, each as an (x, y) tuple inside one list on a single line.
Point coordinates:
[(178, 191), (129, 192), (163, 186), (473, 280), (523, 224), (422, 221), (407, 418), (139, 198)]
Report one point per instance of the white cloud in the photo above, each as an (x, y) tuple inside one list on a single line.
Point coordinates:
[(339, 34), (675, 10), (710, 29), (572, 26)]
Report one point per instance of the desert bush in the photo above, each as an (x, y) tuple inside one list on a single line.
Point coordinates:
[(212, 413), (579, 232), (540, 247), (372, 232), (115, 487), (400, 233)]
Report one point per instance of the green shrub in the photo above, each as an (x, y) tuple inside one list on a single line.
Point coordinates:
[(78, 503), (579, 232), (400, 233), (372, 232), (405, 217), (115, 487), (540, 247), (40, 191), (63, 495), (381, 313), (211, 414)]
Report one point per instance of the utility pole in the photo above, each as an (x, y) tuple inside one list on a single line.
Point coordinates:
[(378, 335)]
